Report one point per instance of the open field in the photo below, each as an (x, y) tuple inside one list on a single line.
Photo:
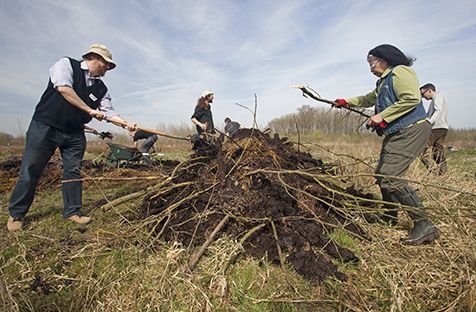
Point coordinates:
[(116, 264)]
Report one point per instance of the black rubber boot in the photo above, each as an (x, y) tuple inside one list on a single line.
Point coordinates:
[(423, 231), (390, 213)]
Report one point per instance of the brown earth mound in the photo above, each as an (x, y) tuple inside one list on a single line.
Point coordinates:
[(51, 176), (10, 168), (274, 201)]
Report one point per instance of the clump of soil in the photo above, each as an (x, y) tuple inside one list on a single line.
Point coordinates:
[(53, 172), (275, 203), (10, 169)]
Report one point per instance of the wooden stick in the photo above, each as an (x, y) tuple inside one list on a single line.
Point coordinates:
[(135, 195), (111, 179), (196, 257), (170, 136), (123, 199), (282, 260), (241, 242)]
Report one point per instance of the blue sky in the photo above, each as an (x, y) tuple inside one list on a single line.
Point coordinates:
[(168, 52)]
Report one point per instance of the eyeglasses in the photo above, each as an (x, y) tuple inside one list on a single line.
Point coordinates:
[(374, 63), (423, 93)]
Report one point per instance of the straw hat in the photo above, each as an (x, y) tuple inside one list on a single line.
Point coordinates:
[(206, 93), (102, 51)]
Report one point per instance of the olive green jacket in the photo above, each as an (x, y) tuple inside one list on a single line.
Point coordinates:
[(406, 88)]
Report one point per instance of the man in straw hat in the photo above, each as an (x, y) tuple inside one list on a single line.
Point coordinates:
[(75, 94)]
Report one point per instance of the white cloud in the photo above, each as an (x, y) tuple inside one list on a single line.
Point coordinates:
[(169, 51)]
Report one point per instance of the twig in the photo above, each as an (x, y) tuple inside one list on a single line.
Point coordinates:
[(196, 257), (241, 242), (296, 300), (123, 199), (255, 124), (298, 133), (111, 179), (135, 195), (280, 252), (229, 137), (321, 176), (282, 260)]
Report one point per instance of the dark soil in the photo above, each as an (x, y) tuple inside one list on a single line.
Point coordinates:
[(10, 169), (259, 181), (52, 174)]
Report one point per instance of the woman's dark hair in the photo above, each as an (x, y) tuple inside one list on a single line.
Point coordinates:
[(202, 103), (392, 55)]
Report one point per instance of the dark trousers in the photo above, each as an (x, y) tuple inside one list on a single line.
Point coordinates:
[(435, 150), (148, 143), (41, 143)]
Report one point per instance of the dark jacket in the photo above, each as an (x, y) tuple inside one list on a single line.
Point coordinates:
[(56, 112), (232, 127), (204, 115)]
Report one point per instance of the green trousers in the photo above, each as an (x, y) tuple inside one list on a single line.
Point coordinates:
[(398, 151)]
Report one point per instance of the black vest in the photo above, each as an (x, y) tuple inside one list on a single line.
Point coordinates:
[(56, 112)]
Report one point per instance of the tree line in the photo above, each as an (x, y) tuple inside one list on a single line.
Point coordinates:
[(309, 119), (7, 139)]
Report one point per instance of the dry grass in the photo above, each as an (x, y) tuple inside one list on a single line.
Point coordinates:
[(113, 264), (393, 277)]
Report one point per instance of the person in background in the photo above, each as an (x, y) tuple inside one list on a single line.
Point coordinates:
[(401, 118), (149, 142), (75, 94), (202, 116), (231, 127), (438, 117)]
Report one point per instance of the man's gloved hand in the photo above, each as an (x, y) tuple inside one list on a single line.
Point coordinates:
[(341, 103)]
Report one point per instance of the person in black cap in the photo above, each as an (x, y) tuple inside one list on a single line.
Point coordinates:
[(401, 118), (75, 94)]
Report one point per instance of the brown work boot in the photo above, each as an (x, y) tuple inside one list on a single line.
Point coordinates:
[(14, 225), (80, 219)]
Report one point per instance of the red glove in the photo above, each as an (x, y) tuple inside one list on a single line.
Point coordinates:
[(341, 103)]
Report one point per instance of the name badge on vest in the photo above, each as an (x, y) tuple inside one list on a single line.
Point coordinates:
[(92, 97)]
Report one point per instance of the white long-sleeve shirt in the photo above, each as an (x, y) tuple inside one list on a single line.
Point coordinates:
[(61, 74), (438, 112)]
